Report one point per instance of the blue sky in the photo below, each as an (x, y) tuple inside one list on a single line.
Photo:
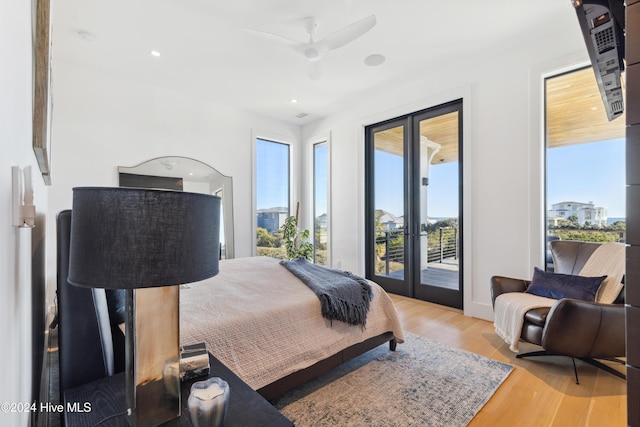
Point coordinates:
[(442, 193), (320, 178), (272, 172), (582, 173), (593, 172)]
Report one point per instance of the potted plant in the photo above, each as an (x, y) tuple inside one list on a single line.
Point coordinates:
[(296, 241)]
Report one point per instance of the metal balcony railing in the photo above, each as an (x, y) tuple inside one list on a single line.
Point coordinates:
[(442, 244), (446, 246)]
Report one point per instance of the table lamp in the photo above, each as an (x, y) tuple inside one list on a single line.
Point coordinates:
[(146, 242)]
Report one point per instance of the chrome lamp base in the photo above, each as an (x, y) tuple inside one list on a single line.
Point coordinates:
[(152, 356)]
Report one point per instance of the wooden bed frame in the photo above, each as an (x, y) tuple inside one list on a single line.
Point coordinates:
[(302, 376)]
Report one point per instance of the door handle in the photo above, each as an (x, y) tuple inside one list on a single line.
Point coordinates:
[(412, 234)]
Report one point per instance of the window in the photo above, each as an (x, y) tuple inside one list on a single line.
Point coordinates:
[(320, 211), (272, 196), (585, 163)]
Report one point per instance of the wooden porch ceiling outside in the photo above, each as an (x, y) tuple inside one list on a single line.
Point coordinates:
[(442, 130), (575, 112), (575, 115)]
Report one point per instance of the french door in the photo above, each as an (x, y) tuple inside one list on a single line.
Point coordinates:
[(414, 204)]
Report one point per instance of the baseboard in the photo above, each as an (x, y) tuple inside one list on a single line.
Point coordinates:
[(479, 310)]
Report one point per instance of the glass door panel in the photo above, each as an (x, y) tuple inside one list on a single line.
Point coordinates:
[(413, 204), (386, 213), (439, 207)]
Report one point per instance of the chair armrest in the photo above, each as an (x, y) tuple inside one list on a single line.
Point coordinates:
[(585, 329), (501, 285)]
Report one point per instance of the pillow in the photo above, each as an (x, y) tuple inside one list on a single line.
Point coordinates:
[(556, 285), (609, 291)]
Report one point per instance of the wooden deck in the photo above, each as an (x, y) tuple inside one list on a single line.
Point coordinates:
[(444, 275)]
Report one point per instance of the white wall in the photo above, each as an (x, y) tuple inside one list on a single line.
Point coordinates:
[(502, 102), (101, 122), (15, 150)]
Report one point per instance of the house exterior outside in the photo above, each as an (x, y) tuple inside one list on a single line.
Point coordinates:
[(389, 221), (321, 221), (272, 219), (585, 212), (321, 229)]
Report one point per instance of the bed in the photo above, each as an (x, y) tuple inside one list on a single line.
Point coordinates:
[(254, 316), (266, 325)]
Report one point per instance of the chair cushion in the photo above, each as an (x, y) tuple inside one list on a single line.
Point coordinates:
[(609, 290), (537, 316), (570, 256), (531, 333), (558, 286)]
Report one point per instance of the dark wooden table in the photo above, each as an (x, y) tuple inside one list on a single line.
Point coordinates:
[(105, 398)]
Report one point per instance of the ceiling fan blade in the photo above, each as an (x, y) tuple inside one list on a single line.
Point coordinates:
[(314, 70), (276, 38), (349, 33)]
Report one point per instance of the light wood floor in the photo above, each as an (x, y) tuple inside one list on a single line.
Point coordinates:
[(540, 391)]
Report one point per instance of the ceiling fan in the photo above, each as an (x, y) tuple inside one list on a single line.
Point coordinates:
[(314, 50)]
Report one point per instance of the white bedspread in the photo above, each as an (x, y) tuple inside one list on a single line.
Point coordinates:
[(510, 309), (264, 323)]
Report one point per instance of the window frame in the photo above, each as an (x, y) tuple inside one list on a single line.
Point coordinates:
[(278, 139), (313, 143), (544, 206)]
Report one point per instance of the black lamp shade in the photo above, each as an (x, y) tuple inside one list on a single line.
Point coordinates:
[(128, 238)]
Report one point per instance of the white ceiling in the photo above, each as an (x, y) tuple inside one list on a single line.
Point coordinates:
[(207, 52)]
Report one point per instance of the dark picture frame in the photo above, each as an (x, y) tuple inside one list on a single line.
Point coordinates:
[(42, 105)]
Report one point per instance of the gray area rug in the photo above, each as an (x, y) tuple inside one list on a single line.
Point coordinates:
[(423, 383)]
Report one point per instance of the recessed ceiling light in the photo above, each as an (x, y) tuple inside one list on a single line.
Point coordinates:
[(293, 101), (155, 53), (374, 60)]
